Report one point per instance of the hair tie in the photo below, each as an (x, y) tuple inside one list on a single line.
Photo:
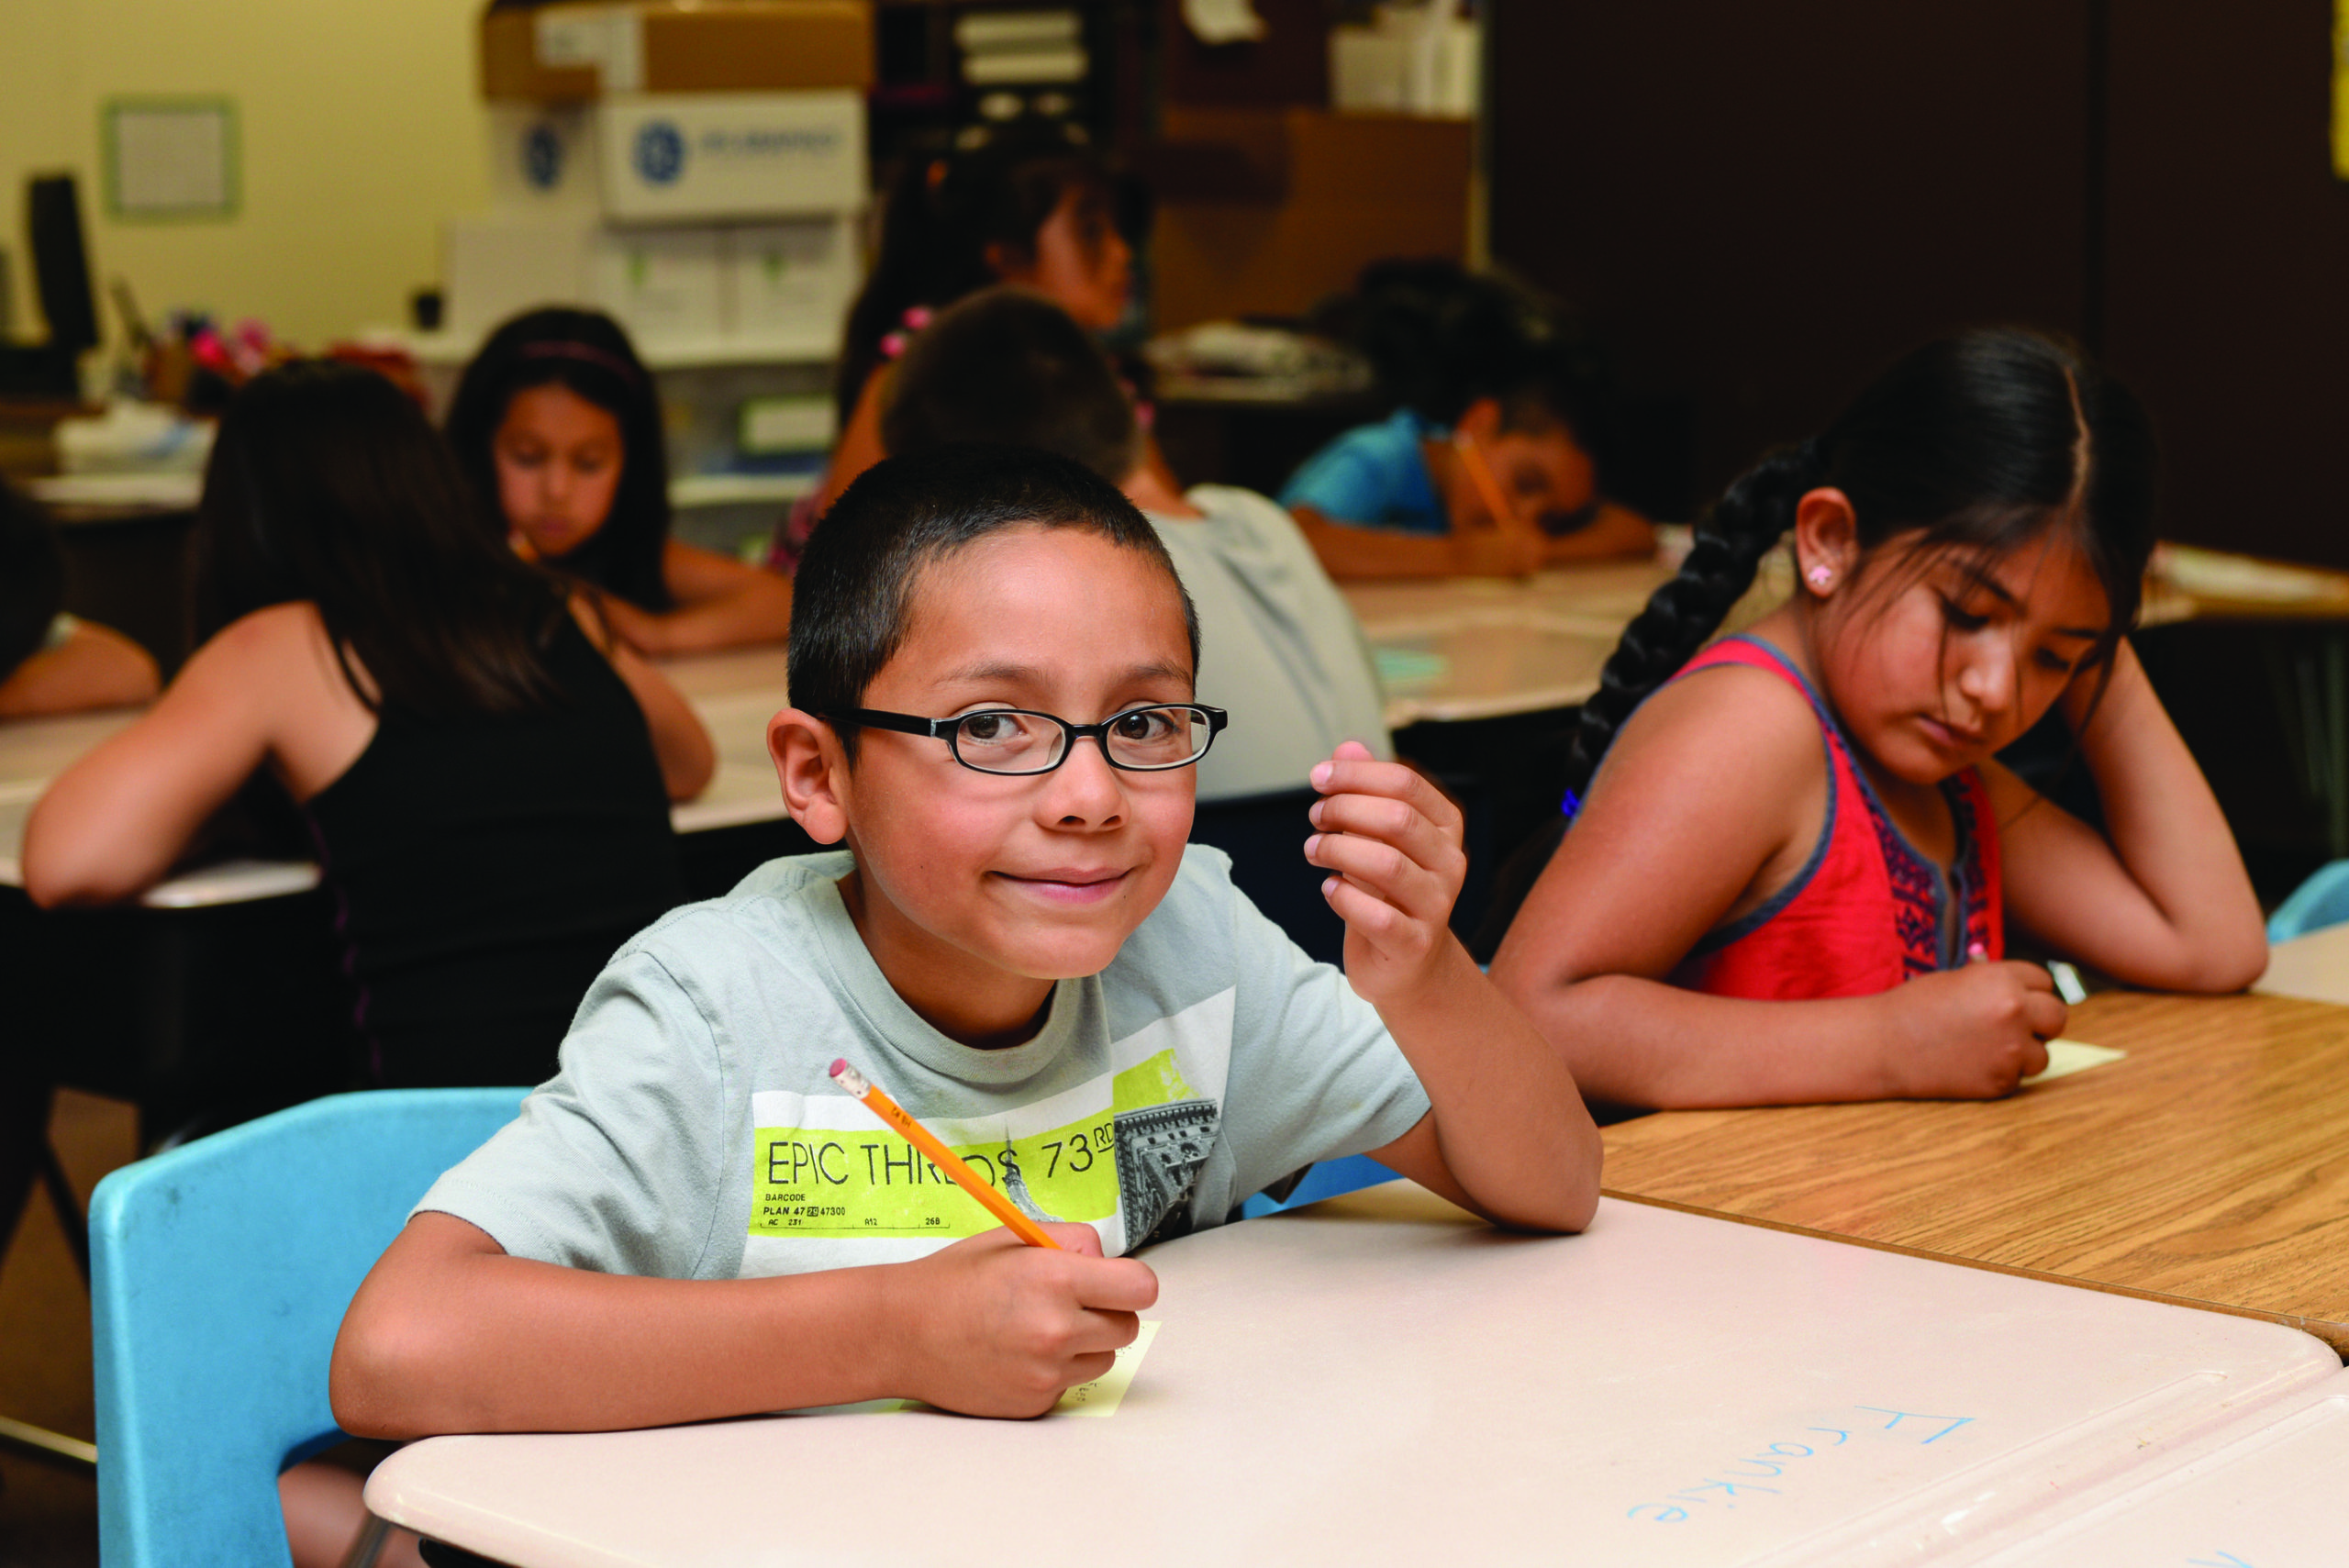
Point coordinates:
[(586, 353)]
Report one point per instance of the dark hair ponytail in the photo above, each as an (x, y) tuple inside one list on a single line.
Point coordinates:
[(1732, 538), (1979, 442)]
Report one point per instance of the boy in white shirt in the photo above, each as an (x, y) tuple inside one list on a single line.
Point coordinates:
[(991, 674)]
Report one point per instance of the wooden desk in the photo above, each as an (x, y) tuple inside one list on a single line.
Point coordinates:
[(1376, 1379), (2209, 1167), (2315, 966)]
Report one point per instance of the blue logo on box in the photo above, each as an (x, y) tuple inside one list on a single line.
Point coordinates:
[(543, 156), (660, 152)]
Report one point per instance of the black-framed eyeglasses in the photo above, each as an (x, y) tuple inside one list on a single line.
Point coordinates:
[(1018, 741)]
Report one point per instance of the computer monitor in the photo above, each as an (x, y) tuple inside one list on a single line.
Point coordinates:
[(61, 262)]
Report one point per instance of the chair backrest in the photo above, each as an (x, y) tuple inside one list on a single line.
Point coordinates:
[(2323, 900), (220, 1272)]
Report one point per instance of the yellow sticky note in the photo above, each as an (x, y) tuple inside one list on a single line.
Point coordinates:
[(1102, 1396), (2068, 1056)]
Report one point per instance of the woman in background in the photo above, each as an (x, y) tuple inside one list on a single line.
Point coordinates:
[(50, 661), (1487, 465), (486, 774), (558, 425), (1027, 206)]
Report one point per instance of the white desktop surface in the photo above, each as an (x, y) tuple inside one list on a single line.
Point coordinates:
[(2269, 1495), (1380, 1379)]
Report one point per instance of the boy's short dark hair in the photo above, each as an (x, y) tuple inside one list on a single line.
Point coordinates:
[(852, 599), (1008, 365)]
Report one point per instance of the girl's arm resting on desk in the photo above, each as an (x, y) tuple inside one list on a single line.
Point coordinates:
[(721, 603), (450, 1334), (1668, 846), (1614, 531), (115, 822), (686, 754), (2161, 899), (1348, 551), (95, 667), (1509, 1135)]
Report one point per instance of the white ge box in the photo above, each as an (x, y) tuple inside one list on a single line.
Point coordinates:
[(663, 285), (496, 267), (792, 281), (680, 156), (542, 159)]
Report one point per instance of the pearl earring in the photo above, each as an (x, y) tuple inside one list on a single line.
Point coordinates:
[(1819, 577)]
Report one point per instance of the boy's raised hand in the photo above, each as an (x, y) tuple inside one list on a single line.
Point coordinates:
[(1393, 841), (999, 1328)]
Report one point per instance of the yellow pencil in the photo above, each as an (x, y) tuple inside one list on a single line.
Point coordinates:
[(1480, 474), (945, 1159)]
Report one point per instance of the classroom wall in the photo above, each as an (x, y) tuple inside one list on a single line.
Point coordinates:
[(1760, 205), (360, 131)]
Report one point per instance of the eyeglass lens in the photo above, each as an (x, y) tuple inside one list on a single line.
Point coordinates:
[(1009, 742)]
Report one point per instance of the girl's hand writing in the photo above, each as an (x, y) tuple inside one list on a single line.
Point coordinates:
[(1394, 840), (1971, 1033)]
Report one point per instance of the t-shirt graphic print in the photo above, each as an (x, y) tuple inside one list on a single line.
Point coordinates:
[(1121, 1152)]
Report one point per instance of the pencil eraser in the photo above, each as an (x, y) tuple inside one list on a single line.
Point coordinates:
[(838, 1066)]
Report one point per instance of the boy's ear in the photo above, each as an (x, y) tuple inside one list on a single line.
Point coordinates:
[(1827, 540), (813, 771)]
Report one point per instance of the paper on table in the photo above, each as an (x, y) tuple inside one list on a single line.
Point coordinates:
[(2068, 1056), (1408, 666), (1103, 1394)]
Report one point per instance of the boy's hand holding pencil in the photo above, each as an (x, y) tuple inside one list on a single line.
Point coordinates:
[(1394, 842), (1002, 1323)]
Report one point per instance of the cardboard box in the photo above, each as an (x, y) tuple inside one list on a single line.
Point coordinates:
[(1348, 189), (695, 156), (569, 53), (660, 284), (791, 281)]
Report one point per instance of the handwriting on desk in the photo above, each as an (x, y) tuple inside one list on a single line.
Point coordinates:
[(1784, 1465)]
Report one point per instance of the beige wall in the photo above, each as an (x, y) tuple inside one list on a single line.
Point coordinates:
[(359, 132)]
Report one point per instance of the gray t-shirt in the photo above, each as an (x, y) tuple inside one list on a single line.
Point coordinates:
[(1278, 645), (693, 1132)]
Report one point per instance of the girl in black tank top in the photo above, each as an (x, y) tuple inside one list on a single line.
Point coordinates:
[(487, 791), (485, 867)]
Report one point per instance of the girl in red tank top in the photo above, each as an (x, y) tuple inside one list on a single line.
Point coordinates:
[(1792, 879)]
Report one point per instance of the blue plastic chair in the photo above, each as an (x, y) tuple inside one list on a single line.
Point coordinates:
[(2323, 900), (1327, 1179), (220, 1272)]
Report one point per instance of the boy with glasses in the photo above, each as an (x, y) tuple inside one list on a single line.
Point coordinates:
[(991, 680)]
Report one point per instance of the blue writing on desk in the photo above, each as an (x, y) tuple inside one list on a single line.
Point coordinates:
[(1774, 1469), (2224, 1560)]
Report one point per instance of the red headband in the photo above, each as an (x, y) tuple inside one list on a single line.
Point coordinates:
[(587, 353)]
